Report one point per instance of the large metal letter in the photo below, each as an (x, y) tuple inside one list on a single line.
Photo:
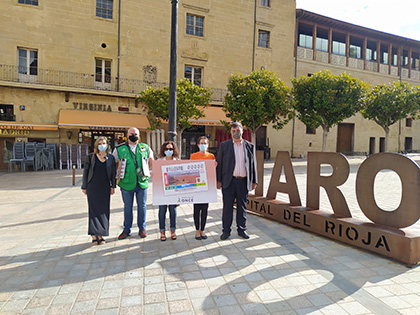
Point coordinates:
[(408, 212), (290, 186), (338, 177)]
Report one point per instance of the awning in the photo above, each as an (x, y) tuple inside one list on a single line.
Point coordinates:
[(93, 120), (26, 126), (213, 116)]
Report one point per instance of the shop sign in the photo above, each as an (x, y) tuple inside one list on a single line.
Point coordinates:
[(383, 234), (13, 132), (18, 127), (106, 128), (92, 107)]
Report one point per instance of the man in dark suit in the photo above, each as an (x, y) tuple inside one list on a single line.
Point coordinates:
[(236, 173)]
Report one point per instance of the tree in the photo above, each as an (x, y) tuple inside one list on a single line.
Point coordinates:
[(325, 100), (191, 101), (257, 99), (387, 104)]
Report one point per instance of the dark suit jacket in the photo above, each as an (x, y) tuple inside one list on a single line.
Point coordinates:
[(226, 163), (89, 167)]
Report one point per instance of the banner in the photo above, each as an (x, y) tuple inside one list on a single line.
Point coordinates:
[(188, 181)]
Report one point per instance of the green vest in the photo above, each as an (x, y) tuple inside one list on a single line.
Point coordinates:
[(132, 173)]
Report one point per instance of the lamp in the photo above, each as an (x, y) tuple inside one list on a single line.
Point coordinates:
[(69, 134)]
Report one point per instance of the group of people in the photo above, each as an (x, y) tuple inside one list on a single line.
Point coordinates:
[(129, 167)]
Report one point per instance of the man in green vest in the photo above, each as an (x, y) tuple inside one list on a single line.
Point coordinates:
[(134, 159)]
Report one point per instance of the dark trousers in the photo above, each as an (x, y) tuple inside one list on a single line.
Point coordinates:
[(200, 212), (237, 191)]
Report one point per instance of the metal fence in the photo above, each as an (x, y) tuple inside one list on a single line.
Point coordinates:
[(84, 80)]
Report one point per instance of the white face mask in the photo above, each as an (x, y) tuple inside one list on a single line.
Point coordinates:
[(203, 147), (102, 147), (169, 152)]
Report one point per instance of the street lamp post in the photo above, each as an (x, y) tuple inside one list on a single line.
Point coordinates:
[(172, 73)]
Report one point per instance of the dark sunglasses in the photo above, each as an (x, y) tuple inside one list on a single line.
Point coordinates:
[(170, 149)]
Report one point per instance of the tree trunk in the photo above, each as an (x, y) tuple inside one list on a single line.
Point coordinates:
[(254, 136), (325, 132), (386, 139)]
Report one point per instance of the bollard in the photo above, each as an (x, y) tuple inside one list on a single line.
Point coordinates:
[(74, 175)]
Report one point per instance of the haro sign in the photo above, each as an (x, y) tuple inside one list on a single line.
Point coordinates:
[(383, 235)]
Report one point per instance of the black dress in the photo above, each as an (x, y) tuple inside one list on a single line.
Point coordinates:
[(99, 195)]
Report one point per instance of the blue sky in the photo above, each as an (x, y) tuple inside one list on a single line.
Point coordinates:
[(390, 16)]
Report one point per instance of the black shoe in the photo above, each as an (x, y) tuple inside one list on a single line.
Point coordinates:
[(198, 238), (243, 234), (224, 236)]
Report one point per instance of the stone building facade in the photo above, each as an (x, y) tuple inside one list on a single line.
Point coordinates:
[(70, 70), (62, 61)]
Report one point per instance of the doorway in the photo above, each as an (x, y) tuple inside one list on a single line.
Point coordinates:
[(381, 144), (345, 138), (372, 145)]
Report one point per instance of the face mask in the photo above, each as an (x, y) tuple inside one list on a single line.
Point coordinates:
[(236, 135), (133, 138), (203, 147), (169, 152), (102, 147)]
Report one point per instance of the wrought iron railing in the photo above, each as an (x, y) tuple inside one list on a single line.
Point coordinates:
[(85, 81)]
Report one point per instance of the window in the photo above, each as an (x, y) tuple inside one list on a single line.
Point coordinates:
[(415, 61), (404, 60), (263, 38), (384, 55), (339, 44), (394, 59), (322, 40), (408, 122), (104, 8), (310, 131), (194, 74), (265, 3), (102, 74), (195, 25), (7, 113), (355, 48), (305, 36), (371, 51), (31, 2), (27, 65)]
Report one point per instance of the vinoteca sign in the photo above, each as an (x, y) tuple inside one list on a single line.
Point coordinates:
[(382, 234)]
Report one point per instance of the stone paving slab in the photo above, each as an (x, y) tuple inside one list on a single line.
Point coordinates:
[(48, 265)]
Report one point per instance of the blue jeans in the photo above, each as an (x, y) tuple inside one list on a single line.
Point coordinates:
[(162, 217), (128, 199)]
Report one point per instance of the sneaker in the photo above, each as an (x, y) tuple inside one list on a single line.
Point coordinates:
[(143, 233), (123, 235)]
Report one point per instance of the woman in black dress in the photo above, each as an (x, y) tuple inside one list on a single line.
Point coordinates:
[(99, 184)]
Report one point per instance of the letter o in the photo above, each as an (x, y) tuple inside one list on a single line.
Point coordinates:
[(408, 212)]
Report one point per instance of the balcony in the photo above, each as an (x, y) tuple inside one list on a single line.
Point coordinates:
[(86, 81)]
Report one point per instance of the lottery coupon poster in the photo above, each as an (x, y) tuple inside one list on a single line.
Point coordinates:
[(184, 181)]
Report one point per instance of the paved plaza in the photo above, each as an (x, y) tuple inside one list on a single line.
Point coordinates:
[(48, 265)]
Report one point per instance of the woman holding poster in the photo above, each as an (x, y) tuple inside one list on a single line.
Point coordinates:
[(201, 209), (168, 151)]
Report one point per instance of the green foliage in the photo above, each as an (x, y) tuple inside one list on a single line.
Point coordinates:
[(191, 101), (257, 99), (386, 104), (325, 99)]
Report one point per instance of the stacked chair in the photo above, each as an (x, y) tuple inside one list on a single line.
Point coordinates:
[(63, 156), (18, 156)]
